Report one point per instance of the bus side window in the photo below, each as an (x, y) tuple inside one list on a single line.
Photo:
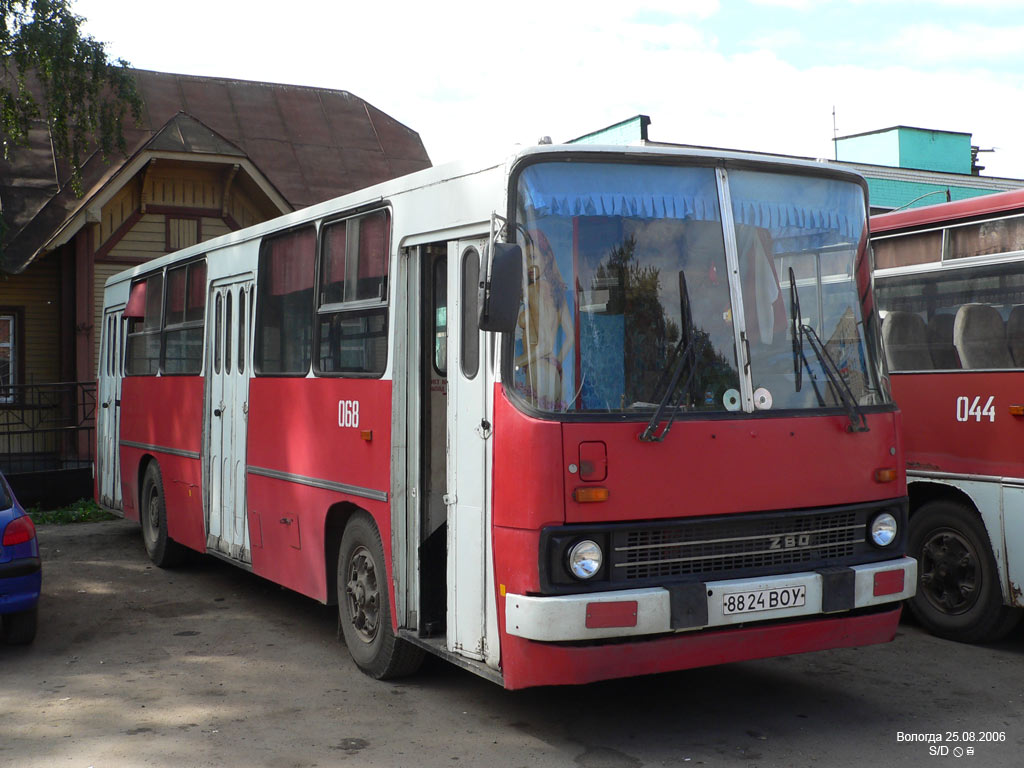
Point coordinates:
[(441, 316), (470, 340), (284, 312), (143, 312), (352, 314)]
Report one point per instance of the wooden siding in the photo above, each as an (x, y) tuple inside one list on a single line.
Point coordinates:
[(37, 290), (244, 210), (185, 188), (145, 241), (118, 211)]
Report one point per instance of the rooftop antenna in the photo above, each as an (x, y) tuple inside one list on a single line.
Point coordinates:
[(835, 135)]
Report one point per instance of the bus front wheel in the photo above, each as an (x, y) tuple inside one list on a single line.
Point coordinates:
[(161, 548), (958, 592), (364, 607)]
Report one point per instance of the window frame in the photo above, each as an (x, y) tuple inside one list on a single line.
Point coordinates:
[(185, 325), (355, 308), (157, 331), (17, 346), (259, 300)]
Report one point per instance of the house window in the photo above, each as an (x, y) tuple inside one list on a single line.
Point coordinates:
[(183, 232), (8, 356)]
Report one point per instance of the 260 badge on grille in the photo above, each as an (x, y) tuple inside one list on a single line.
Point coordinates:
[(764, 600)]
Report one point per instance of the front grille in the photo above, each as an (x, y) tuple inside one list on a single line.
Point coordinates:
[(713, 547), (701, 549)]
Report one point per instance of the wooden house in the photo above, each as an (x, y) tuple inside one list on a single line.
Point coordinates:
[(209, 156)]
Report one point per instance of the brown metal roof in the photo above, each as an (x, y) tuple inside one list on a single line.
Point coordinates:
[(311, 144)]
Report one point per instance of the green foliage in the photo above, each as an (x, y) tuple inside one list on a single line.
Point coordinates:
[(85, 98), (82, 511)]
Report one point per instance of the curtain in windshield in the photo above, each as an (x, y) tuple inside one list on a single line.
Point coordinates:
[(799, 241), (626, 276)]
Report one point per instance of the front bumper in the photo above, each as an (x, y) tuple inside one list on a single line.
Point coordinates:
[(700, 605)]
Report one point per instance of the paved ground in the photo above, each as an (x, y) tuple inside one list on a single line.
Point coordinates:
[(210, 666)]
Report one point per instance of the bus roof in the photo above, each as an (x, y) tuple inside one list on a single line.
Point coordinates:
[(984, 205)]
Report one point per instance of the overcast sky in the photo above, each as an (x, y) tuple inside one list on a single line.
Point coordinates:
[(471, 75)]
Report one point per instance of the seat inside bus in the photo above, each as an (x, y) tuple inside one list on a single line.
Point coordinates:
[(979, 335), (905, 339)]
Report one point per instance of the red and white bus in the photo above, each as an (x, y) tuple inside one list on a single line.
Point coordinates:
[(950, 285), (578, 414)]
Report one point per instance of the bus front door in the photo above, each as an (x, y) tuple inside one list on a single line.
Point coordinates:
[(228, 367), (471, 618)]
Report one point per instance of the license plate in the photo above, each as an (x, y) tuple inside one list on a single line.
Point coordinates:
[(756, 600)]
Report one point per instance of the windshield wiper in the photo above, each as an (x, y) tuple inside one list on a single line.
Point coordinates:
[(689, 353), (840, 389)]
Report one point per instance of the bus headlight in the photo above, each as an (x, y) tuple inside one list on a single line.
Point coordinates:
[(585, 559), (883, 530)]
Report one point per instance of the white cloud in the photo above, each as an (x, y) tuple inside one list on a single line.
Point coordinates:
[(935, 44), (468, 75)]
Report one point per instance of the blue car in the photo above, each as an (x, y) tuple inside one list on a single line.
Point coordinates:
[(21, 575)]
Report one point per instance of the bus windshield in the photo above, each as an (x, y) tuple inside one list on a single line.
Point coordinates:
[(628, 288)]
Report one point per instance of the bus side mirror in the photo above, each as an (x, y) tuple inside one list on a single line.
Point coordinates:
[(501, 288)]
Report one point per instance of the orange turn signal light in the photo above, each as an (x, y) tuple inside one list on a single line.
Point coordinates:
[(594, 493), (366, 434), (1017, 410), (885, 475)]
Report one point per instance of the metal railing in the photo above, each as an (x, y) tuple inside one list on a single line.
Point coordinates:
[(47, 427)]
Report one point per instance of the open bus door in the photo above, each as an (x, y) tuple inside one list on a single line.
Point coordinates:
[(472, 618)]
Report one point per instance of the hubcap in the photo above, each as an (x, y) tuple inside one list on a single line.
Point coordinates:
[(363, 595), (950, 576), (153, 517)]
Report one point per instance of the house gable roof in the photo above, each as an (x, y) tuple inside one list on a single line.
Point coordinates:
[(310, 144)]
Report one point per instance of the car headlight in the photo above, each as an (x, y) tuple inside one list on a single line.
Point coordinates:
[(883, 530), (585, 559)]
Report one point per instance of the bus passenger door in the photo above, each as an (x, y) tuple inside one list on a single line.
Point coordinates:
[(228, 365), (469, 431), (111, 370)]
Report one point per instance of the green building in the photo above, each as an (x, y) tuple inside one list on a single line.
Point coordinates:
[(908, 167)]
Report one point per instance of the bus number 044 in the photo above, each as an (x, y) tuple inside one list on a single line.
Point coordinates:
[(348, 413), (966, 408)]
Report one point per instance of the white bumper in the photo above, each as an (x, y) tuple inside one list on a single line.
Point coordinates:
[(564, 618)]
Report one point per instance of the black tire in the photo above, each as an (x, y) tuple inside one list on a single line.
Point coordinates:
[(958, 592), (161, 548), (364, 610), (20, 628)]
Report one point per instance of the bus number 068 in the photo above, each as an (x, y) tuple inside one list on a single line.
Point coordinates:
[(348, 413), (966, 408)]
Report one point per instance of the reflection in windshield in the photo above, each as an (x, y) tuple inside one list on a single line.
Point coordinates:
[(626, 271)]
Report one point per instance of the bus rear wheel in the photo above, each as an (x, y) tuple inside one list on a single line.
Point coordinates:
[(364, 610), (958, 592), (161, 548)]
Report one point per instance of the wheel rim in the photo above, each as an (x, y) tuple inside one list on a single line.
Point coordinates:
[(151, 518), (950, 572), (363, 594)]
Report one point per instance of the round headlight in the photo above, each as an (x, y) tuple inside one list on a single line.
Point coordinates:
[(883, 530), (585, 559)]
